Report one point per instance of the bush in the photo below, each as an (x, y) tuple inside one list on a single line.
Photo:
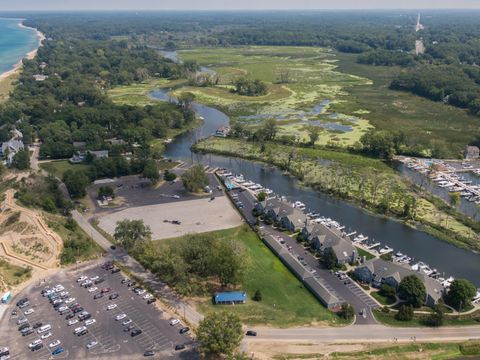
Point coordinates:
[(105, 191), (169, 176), (347, 312), (470, 348), (388, 291), (257, 296), (405, 313)]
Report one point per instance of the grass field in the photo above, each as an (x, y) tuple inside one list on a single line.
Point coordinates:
[(6, 85), (425, 122), (136, 94), (58, 168), (312, 81), (285, 301), (419, 319)]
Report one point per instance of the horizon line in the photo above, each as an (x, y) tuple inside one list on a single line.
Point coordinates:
[(234, 10)]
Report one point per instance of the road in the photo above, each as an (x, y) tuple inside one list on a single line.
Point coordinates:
[(367, 333), (350, 293)]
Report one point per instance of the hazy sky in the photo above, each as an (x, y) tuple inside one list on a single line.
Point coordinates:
[(231, 4)]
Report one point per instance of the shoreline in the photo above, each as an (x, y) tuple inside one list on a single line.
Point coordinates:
[(29, 56)]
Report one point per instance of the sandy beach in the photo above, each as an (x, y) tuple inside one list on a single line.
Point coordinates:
[(16, 68)]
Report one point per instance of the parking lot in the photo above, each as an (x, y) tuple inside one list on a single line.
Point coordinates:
[(109, 336)]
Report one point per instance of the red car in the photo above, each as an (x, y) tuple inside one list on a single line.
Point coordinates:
[(106, 290)]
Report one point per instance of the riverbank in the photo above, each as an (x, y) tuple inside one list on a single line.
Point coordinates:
[(368, 183), (29, 56)]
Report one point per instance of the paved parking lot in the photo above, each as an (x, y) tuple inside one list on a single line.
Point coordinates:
[(113, 342)]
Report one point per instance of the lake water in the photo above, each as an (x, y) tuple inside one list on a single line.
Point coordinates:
[(15, 43), (438, 254)]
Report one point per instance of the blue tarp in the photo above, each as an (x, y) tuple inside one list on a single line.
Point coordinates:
[(230, 297)]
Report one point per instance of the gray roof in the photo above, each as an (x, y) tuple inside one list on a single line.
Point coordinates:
[(322, 293), (328, 238), (285, 209), (12, 145)]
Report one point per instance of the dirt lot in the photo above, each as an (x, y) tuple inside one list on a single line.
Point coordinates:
[(196, 216)]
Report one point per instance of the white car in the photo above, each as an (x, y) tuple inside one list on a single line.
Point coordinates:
[(48, 292), (94, 278), (58, 288), (141, 292), (86, 283), (92, 289), (147, 296), (21, 321), (72, 322), (111, 306), (29, 311), (69, 300), (62, 308), (46, 335), (126, 322), (92, 344), (64, 293), (120, 317), (78, 329), (34, 343), (54, 343), (5, 357), (82, 278), (90, 321), (174, 322)]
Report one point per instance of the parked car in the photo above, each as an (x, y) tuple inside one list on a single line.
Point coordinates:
[(27, 331), (23, 326), (69, 316), (91, 344), (37, 325), (21, 321), (125, 280), (21, 301), (90, 322), (251, 333), (111, 306), (58, 350), (184, 330), (35, 342), (151, 301), (92, 289), (179, 347), (106, 290), (37, 347), (126, 322), (72, 322), (54, 343), (135, 332), (113, 296), (46, 335), (120, 317), (116, 270), (99, 281), (174, 322), (149, 353), (97, 296), (29, 311), (128, 328)]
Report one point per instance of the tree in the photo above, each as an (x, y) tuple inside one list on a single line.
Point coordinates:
[(249, 87), (313, 133), (437, 317), (21, 160), (262, 195), (186, 99), (169, 176), (270, 129), (76, 182), (105, 191), (405, 313), (460, 294), (195, 178), (454, 199), (151, 171), (412, 290), (347, 312), (219, 334), (388, 291), (379, 143), (257, 296), (329, 259), (130, 232)]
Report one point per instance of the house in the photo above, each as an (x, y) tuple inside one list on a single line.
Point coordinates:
[(321, 238), (79, 145), (378, 272), (283, 212), (471, 153), (99, 154), (40, 77), (222, 131), (10, 148), (230, 298), (115, 141)]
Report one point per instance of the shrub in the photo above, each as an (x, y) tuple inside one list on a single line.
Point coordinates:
[(169, 176), (405, 313), (257, 296)]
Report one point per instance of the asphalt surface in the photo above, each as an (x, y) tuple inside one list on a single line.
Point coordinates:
[(137, 191), (350, 293), (113, 342)]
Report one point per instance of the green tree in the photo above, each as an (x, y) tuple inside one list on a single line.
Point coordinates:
[(21, 160), (76, 182), (313, 133), (195, 178), (262, 195), (257, 296), (437, 317), (270, 129), (412, 290), (454, 199), (151, 171), (347, 311), (105, 191), (169, 176), (186, 99), (460, 294), (219, 334), (379, 143), (131, 232), (388, 291), (329, 259), (405, 313)]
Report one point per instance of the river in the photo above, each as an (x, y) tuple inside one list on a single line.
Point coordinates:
[(438, 254)]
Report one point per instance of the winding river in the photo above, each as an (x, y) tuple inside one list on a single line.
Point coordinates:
[(444, 257)]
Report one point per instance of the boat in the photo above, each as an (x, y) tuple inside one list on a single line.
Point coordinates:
[(385, 250), (299, 205), (360, 238)]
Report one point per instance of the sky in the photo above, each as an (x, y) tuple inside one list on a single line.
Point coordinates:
[(232, 4)]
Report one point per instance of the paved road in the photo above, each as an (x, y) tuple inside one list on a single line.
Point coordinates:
[(350, 293), (367, 333)]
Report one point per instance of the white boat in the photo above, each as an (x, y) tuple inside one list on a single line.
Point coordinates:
[(299, 205), (385, 250), (360, 238)]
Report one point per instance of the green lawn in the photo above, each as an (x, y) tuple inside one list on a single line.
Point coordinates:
[(285, 301), (362, 252), (418, 320), (426, 122), (58, 167), (381, 299)]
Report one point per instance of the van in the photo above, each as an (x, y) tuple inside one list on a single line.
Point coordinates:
[(44, 328)]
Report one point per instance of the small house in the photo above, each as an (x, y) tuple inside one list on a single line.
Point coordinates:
[(230, 298)]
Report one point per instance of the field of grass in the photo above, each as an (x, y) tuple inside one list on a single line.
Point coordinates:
[(11, 275), (6, 85), (425, 122), (381, 299), (58, 168), (312, 80), (362, 252), (419, 319), (136, 94), (285, 301)]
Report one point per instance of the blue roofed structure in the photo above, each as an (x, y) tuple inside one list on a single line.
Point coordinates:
[(230, 298)]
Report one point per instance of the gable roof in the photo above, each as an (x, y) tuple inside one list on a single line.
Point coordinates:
[(328, 238)]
